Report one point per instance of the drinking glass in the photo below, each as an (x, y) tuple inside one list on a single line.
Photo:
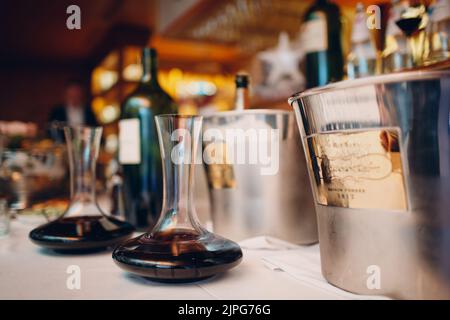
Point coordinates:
[(178, 249), (83, 226)]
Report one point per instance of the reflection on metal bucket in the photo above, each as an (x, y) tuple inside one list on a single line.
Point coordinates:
[(251, 196), (378, 154)]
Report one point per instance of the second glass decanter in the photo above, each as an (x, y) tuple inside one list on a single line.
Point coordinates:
[(178, 249), (83, 226)]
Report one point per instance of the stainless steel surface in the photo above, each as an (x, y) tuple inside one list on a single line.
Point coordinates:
[(245, 203), (397, 241)]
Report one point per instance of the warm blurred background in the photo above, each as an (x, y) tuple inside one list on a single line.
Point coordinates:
[(52, 75), (47, 69), (201, 44)]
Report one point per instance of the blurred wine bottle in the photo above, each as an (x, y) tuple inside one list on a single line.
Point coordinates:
[(321, 40), (395, 55), (139, 147), (361, 61), (413, 22), (242, 96), (439, 31)]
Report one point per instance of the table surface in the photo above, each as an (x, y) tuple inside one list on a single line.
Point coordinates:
[(29, 272)]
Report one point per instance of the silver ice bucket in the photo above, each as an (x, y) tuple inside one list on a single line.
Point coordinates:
[(258, 181), (378, 156)]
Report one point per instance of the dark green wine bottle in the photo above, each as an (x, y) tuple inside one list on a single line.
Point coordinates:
[(139, 147), (321, 39)]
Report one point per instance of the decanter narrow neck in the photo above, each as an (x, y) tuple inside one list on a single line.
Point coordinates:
[(178, 190), (83, 177), (83, 146), (178, 139)]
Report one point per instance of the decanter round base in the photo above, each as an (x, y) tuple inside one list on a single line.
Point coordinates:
[(81, 234), (177, 257), (160, 280)]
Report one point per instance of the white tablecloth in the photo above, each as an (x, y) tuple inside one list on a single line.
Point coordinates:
[(269, 270)]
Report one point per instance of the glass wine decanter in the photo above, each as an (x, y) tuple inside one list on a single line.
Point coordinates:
[(178, 249), (83, 226)]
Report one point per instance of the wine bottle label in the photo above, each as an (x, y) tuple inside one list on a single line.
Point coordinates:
[(359, 169), (314, 34), (356, 168), (129, 141), (219, 170)]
